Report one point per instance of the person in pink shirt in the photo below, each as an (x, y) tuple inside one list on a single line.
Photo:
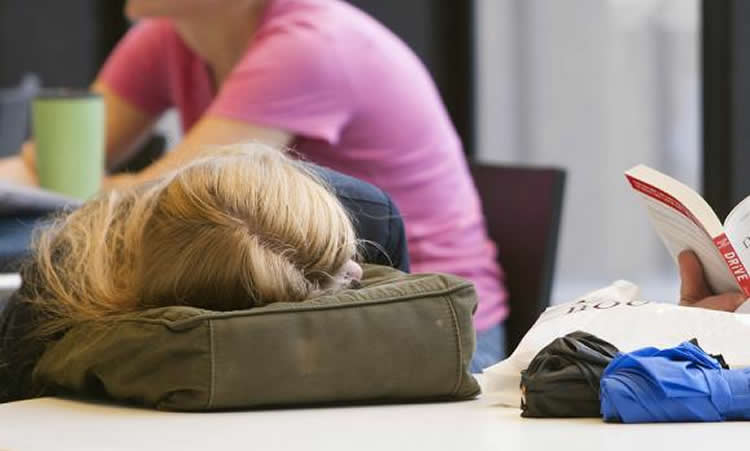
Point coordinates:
[(330, 82)]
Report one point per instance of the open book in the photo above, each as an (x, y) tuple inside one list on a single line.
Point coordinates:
[(18, 200), (684, 220)]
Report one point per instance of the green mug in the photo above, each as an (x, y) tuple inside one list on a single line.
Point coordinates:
[(69, 135)]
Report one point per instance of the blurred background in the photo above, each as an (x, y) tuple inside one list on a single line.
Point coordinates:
[(593, 86)]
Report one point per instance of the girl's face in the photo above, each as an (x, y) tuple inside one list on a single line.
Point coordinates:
[(137, 9), (348, 276)]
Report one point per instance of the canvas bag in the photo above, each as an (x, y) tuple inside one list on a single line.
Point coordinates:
[(401, 337)]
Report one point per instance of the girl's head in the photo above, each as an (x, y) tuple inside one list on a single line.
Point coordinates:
[(237, 229)]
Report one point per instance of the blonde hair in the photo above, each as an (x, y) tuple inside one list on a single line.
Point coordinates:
[(241, 228)]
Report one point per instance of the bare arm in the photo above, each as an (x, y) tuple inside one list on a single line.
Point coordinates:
[(208, 132), (126, 124)]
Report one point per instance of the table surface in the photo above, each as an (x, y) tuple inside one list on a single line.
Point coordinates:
[(54, 423)]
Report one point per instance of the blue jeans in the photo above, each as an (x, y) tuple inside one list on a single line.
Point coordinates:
[(490, 348)]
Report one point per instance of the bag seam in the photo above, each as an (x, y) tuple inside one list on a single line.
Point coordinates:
[(459, 350), (212, 365), (255, 312)]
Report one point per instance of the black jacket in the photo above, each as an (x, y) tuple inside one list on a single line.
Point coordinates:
[(19, 352)]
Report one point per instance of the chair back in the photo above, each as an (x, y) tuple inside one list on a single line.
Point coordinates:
[(522, 207)]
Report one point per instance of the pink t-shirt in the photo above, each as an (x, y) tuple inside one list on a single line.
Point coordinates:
[(358, 101)]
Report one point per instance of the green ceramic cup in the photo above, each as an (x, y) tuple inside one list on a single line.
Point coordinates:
[(69, 135)]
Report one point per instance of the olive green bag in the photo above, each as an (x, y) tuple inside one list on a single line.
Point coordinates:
[(397, 338)]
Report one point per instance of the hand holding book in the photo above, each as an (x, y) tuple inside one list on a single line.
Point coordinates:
[(718, 254), (694, 291)]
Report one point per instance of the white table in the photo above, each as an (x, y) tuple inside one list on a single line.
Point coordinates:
[(52, 423)]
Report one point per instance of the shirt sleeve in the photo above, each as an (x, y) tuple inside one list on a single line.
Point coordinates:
[(289, 79), (136, 70)]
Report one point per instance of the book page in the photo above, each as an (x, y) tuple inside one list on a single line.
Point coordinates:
[(737, 226), (684, 220), (679, 232), (676, 195)]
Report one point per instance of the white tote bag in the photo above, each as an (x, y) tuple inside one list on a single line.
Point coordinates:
[(618, 315)]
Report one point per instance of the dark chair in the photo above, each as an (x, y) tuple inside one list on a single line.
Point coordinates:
[(151, 150), (522, 206)]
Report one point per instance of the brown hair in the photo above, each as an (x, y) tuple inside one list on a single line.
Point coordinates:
[(241, 228)]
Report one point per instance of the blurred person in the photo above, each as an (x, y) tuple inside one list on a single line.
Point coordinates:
[(319, 76)]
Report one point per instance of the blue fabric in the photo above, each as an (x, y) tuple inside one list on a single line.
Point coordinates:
[(490, 348), (676, 384)]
